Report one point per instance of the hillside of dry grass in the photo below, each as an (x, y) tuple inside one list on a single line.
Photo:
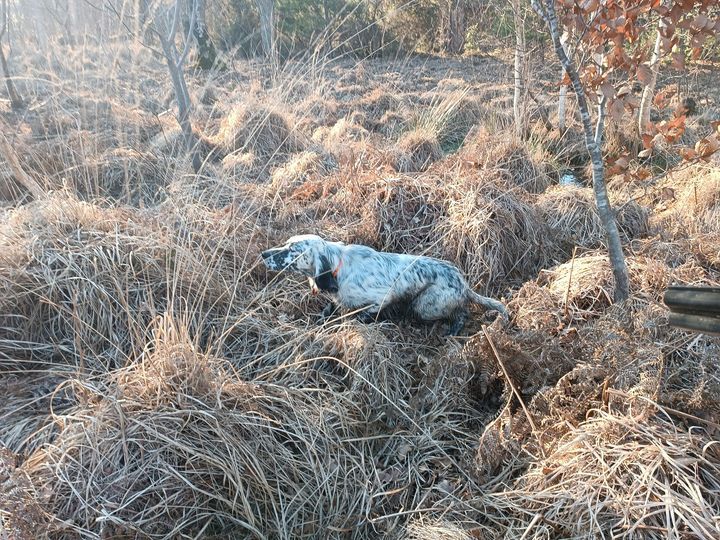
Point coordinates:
[(159, 382)]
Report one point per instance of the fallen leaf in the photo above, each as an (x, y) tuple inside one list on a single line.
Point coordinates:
[(607, 89), (644, 74), (667, 194), (688, 154), (707, 146)]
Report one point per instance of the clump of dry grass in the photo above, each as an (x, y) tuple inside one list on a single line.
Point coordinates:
[(510, 158), (582, 288), (706, 248), (447, 116), (185, 444), (251, 127), (376, 104), (32, 399), (589, 483), (392, 124), (211, 188), (436, 530), (21, 516), (129, 176), (698, 204), (407, 210), (621, 138), (343, 131), (243, 167), (302, 167), (81, 282), (62, 115), (571, 212), (416, 151), (494, 234)]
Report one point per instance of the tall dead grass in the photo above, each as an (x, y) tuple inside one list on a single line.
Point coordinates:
[(625, 475), (161, 383), (571, 212), (178, 441)]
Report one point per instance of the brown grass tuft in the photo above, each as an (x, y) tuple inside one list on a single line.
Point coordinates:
[(494, 234), (302, 167), (61, 284), (589, 484), (21, 515), (571, 212), (416, 151), (510, 158), (267, 132), (185, 444)]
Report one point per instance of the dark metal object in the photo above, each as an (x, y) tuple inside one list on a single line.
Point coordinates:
[(694, 308)]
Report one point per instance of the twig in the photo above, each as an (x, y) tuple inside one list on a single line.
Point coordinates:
[(567, 292), (512, 386), (20, 175)]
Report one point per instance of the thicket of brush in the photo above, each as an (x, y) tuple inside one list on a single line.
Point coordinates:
[(158, 382)]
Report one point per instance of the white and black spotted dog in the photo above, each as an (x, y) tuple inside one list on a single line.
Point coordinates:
[(392, 284)]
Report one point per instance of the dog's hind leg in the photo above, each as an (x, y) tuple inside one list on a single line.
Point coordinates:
[(457, 323), (369, 314)]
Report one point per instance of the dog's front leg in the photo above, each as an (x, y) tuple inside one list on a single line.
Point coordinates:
[(328, 311)]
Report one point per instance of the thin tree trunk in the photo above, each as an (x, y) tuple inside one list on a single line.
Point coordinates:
[(649, 90), (562, 99), (456, 27), (519, 87), (16, 102), (592, 142), (206, 50), (267, 27), (175, 63)]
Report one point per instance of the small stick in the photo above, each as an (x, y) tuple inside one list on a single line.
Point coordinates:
[(512, 386), (534, 521), (567, 293), (20, 175)]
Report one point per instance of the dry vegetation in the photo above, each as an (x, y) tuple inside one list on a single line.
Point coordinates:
[(158, 382)]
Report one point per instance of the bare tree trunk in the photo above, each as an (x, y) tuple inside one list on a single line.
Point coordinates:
[(562, 99), (456, 27), (267, 27), (518, 71), (16, 102), (593, 143), (649, 90), (175, 62), (206, 50)]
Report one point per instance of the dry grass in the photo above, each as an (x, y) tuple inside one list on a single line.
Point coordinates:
[(160, 383), (699, 202), (180, 442), (511, 158), (572, 213), (415, 151), (301, 168), (589, 484), (251, 127), (54, 248), (494, 234)]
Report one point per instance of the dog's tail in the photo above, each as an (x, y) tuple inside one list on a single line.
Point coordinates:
[(488, 303)]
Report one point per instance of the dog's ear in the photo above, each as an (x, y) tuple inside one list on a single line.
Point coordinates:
[(327, 282), (322, 264), (324, 278)]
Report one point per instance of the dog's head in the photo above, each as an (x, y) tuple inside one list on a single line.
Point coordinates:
[(306, 254)]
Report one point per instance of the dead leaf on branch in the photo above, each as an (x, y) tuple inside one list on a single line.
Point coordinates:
[(644, 74)]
